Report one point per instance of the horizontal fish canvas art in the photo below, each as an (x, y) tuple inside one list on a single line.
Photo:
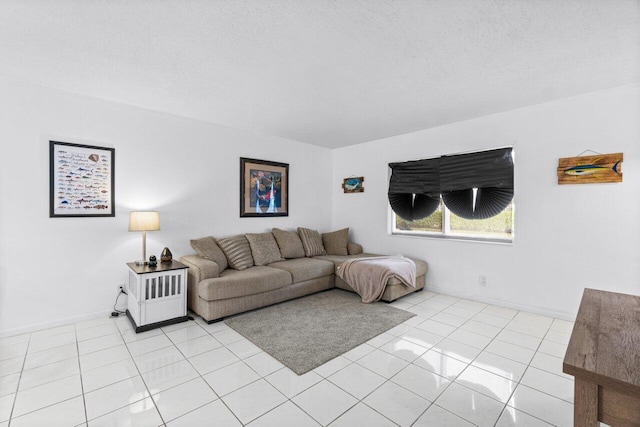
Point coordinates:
[(599, 168)]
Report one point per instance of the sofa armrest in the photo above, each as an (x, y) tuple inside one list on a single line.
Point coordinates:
[(354, 249), (199, 268)]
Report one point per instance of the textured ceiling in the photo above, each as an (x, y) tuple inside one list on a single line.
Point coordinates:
[(325, 72)]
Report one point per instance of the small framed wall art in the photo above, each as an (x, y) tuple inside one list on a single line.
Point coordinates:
[(264, 188), (81, 180), (590, 169), (353, 184)]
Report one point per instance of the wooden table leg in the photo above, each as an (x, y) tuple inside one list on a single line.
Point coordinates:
[(585, 406)]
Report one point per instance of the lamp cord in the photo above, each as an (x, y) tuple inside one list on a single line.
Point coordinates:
[(115, 310)]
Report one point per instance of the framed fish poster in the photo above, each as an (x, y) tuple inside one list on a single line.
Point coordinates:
[(590, 169), (353, 184), (81, 180), (264, 188)]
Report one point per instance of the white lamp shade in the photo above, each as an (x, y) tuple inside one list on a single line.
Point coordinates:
[(144, 221)]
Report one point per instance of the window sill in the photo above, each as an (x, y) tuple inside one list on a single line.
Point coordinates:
[(465, 238)]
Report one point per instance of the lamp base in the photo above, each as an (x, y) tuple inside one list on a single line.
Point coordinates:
[(141, 262)]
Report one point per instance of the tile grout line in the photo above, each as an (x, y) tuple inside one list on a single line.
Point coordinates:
[(199, 375), (387, 379), (84, 400), (220, 397), (323, 378), (11, 419), (432, 403), (140, 373), (119, 332), (15, 396), (519, 382), (268, 382), (523, 373), (288, 399), (467, 364), (505, 405), (494, 338)]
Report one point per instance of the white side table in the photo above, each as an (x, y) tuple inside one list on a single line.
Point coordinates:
[(157, 295)]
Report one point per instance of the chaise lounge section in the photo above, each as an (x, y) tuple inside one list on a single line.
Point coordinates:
[(241, 273)]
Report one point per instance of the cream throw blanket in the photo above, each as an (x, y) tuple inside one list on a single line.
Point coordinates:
[(368, 276)]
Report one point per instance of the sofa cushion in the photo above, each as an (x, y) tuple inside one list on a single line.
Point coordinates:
[(421, 269), (207, 248), (200, 268), (421, 266), (237, 251), (302, 269), (234, 283), (354, 248), (264, 248), (311, 241), (289, 243), (335, 243)]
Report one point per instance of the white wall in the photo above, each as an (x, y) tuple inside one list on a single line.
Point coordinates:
[(566, 237), (56, 270)]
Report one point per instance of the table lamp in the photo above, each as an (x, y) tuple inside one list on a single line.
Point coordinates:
[(144, 221)]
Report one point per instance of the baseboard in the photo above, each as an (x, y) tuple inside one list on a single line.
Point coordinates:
[(502, 303), (440, 290), (53, 324)]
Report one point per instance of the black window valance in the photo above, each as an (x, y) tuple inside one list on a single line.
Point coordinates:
[(417, 177), (473, 185), (414, 188), (484, 169)]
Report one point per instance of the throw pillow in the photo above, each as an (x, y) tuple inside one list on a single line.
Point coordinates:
[(237, 251), (264, 248), (311, 241), (354, 248), (289, 243), (335, 243), (207, 248)]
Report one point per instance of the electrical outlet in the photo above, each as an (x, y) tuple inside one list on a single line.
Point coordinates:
[(120, 287), (482, 281)]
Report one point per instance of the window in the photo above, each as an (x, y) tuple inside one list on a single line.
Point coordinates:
[(466, 196), (444, 223)]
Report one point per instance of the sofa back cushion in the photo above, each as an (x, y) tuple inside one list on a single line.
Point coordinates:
[(335, 243), (289, 243), (264, 248), (207, 248), (237, 251), (311, 241)]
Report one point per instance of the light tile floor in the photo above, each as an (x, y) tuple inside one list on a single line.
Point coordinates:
[(457, 363)]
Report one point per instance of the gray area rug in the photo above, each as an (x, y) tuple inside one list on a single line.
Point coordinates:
[(306, 332)]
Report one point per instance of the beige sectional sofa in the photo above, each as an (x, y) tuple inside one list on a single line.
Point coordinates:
[(241, 273)]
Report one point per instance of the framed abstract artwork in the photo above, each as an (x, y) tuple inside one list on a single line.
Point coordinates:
[(264, 188), (81, 180)]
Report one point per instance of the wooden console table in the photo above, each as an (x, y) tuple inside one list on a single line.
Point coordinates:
[(604, 357)]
